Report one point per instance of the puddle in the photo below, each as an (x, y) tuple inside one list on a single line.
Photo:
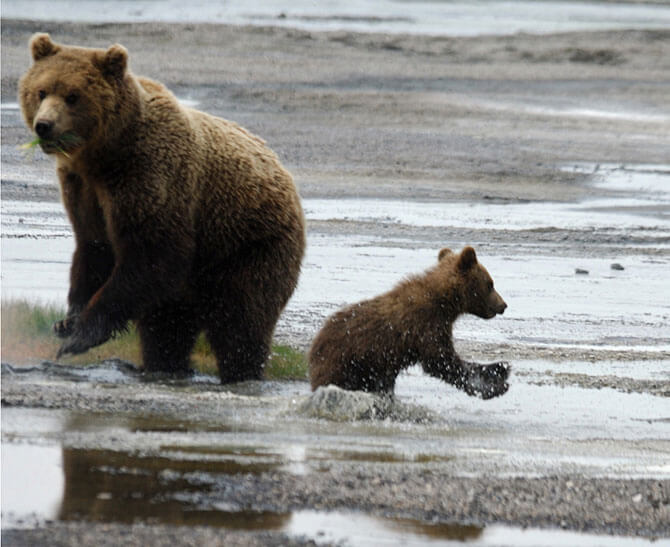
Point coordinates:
[(367, 531), (113, 486), (47, 483), (32, 482)]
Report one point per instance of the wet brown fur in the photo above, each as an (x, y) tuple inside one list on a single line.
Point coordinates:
[(365, 346), (183, 221)]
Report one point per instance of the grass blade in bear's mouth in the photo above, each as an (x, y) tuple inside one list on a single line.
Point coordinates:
[(31, 144), (58, 144)]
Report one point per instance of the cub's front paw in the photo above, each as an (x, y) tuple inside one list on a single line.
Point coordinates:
[(488, 381), (65, 327)]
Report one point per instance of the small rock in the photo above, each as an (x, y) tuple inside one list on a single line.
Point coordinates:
[(616, 266), (580, 271), (637, 498)]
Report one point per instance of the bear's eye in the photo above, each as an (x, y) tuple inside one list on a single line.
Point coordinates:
[(72, 99), (42, 94), (490, 286)]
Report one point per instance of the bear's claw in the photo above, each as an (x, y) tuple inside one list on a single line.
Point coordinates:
[(65, 327)]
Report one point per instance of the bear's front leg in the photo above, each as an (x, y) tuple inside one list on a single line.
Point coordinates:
[(147, 272), (93, 257), (485, 381), (92, 264)]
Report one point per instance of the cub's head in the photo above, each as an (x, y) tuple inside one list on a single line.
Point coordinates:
[(475, 283), (69, 95)]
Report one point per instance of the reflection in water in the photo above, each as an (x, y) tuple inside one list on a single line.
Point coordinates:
[(109, 486), (184, 490), (437, 531), (368, 531)]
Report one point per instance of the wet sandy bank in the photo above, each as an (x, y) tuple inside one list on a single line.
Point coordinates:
[(404, 116)]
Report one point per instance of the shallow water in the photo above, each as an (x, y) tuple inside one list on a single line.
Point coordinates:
[(103, 486), (146, 464), (550, 305), (439, 18), (428, 422)]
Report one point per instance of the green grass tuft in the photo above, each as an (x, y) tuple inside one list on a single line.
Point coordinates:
[(36, 320), (28, 338), (286, 363)]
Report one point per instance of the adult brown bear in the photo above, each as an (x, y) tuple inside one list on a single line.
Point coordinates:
[(365, 346), (183, 222)]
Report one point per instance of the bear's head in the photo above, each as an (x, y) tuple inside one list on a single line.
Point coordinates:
[(476, 290), (69, 94)]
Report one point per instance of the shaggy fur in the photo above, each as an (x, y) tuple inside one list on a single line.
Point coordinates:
[(183, 221), (366, 345)]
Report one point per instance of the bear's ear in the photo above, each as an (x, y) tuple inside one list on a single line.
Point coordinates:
[(444, 252), (41, 46), (467, 259), (114, 61)]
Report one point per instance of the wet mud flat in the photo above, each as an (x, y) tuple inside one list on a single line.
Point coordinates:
[(548, 154)]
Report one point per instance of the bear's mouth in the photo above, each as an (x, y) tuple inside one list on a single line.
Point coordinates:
[(64, 144), (490, 313)]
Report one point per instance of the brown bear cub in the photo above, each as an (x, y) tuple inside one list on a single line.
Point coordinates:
[(365, 346), (183, 222)]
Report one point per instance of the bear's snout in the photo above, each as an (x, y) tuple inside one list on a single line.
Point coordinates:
[(44, 128), (498, 305)]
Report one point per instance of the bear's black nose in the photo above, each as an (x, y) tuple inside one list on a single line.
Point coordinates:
[(43, 128)]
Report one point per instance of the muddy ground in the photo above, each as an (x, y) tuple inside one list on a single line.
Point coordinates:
[(486, 119)]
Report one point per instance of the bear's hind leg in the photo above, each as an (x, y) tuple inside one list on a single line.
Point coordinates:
[(244, 299), (167, 335), (240, 353)]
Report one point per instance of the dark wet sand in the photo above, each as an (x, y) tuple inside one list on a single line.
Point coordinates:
[(407, 117)]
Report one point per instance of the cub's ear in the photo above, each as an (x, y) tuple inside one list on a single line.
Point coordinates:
[(41, 46), (444, 252), (114, 61), (467, 259)]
